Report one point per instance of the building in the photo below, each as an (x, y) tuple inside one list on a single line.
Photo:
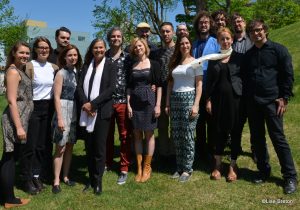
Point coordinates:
[(40, 28)]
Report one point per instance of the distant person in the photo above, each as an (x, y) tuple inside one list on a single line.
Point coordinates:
[(204, 44), (221, 19), (15, 120), (182, 104), (120, 115), (65, 116), (143, 105), (165, 146), (182, 30), (269, 78), (62, 38)]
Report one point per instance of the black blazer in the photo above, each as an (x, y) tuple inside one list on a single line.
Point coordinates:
[(213, 73), (103, 103)]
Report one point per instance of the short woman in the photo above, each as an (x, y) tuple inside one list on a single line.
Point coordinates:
[(143, 104), (182, 103), (15, 120), (64, 120)]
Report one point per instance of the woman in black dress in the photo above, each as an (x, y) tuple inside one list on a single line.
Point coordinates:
[(143, 104), (223, 91)]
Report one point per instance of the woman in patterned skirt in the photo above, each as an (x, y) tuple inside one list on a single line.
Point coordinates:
[(182, 104)]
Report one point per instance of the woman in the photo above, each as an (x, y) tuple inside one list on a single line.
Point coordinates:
[(64, 120), (223, 91), (143, 104), (182, 104), (95, 89), (15, 120), (33, 156)]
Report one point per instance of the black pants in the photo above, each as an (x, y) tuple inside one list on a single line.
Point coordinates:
[(95, 145), (258, 115), (37, 151)]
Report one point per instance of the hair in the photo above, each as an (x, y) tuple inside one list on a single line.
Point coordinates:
[(36, 44), (11, 55), (166, 24), (253, 23), (109, 33), (61, 57), (62, 29), (89, 52), (235, 16), (215, 14), (177, 56), (222, 30), (198, 17), (134, 41)]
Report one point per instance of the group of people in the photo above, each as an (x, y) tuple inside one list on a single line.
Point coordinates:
[(208, 87)]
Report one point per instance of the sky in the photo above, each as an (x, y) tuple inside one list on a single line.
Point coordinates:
[(73, 14)]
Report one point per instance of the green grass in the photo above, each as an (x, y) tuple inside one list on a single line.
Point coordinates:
[(200, 193)]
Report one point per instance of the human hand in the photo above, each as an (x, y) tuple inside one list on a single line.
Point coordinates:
[(167, 110), (61, 125), (194, 111), (208, 107), (21, 134), (156, 111), (129, 112), (281, 106)]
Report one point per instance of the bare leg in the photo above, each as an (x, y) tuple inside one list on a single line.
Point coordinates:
[(67, 161), (150, 142), (57, 162)]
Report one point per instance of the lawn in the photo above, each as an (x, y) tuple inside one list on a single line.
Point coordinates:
[(161, 192)]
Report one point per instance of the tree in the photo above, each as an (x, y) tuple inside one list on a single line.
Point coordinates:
[(129, 13)]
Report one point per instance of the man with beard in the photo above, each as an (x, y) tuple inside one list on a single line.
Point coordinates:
[(204, 45), (182, 30), (62, 38)]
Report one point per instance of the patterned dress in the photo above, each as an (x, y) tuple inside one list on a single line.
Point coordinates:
[(25, 108), (68, 109)]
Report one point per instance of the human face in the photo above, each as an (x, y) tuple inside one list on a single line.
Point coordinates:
[(143, 32), (99, 50), (204, 25), (225, 40), (21, 56), (185, 46), (167, 33), (257, 34), (220, 21), (139, 49), (115, 39), (182, 30), (239, 25), (63, 39), (42, 51), (71, 57)]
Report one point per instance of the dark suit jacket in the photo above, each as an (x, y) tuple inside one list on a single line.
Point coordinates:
[(103, 103), (213, 73)]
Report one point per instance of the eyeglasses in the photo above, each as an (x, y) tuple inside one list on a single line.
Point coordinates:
[(43, 48), (256, 30)]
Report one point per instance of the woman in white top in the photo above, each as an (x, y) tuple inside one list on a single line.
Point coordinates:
[(182, 104)]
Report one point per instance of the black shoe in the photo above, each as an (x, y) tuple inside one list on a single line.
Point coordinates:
[(70, 183), (86, 187), (261, 179), (290, 186), (38, 183), (56, 189), (98, 188), (30, 188)]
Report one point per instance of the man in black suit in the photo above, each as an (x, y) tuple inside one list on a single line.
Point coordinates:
[(268, 85)]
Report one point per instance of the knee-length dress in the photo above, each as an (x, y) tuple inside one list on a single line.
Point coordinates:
[(68, 109), (25, 108)]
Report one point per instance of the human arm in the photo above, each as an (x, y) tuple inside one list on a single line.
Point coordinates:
[(158, 102), (195, 107), (129, 109), (57, 89), (169, 90)]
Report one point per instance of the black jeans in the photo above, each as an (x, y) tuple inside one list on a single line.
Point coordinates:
[(258, 115)]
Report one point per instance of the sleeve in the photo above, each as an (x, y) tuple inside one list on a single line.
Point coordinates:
[(211, 79), (155, 73), (79, 89), (199, 71)]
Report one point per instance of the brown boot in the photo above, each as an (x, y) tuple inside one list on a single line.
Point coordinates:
[(147, 168), (139, 159)]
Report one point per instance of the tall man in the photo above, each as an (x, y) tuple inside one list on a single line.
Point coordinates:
[(268, 86), (204, 45), (120, 116), (62, 38), (165, 145)]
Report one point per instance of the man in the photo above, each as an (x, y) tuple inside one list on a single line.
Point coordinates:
[(182, 30), (116, 55), (268, 86), (204, 45), (165, 145), (220, 18), (241, 44), (62, 38)]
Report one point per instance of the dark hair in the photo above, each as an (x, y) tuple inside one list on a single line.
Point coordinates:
[(109, 33), (36, 44), (11, 55), (132, 45), (166, 24), (236, 15), (62, 29), (61, 57), (215, 14), (253, 23), (177, 56), (89, 52), (198, 17)]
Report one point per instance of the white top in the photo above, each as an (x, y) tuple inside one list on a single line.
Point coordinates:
[(184, 77), (42, 82)]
